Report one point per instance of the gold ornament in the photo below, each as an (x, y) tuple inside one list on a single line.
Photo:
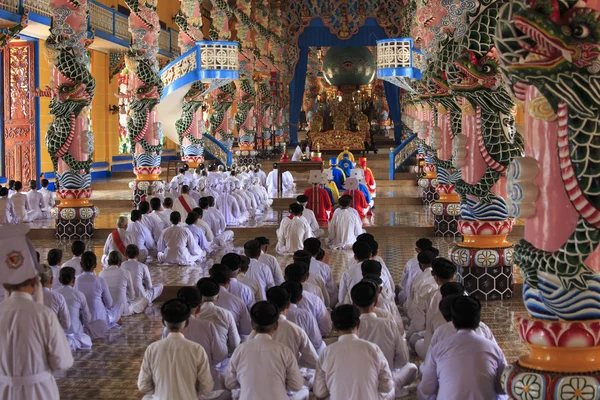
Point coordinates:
[(539, 108)]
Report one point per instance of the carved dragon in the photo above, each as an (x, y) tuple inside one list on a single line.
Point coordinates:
[(192, 101), (219, 120), (244, 115)]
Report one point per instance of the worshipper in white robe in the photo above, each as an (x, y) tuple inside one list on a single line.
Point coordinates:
[(233, 261), (140, 275), (11, 188), (287, 181), (197, 232), (309, 215), (385, 308), (36, 204), (184, 203), (206, 229), (155, 218), (245, 210), (351, 368), (420, 290), (261, 175), (411, 269), (320, 269), (262, 356), (258, 271), (216, 221), (175, 367), (54, 300), (344, 227), (8, 214), (119, 239), (77, 249), (143, 237), (20, 204), (383, 333), (466, 365), (221, 274), (78, 311), (54, 260), (49, 197), (269, 260), (254, 285), (301, 317), (293, 231), (97, 296), (262, 196), (176, 183), (150, 220), (33, 346), (176, 244), (313, 284), (229, 207), (297, 156), (165, 213), (120, 286)]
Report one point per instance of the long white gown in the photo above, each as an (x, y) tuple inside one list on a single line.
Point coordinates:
[(291, 235), (176, 245), (36, 205), (21, 207), (80, 317), (344, 227), (7, 212)]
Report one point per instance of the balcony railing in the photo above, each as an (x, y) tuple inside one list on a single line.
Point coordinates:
[(402, 154)]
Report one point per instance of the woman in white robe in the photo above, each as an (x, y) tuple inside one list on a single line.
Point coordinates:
[(7, 209), (78, 310), (344, 227), (177, 245)]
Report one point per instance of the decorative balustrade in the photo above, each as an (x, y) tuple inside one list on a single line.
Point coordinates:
[(402, 154), (217, 150), (10, 5), (41, 7)]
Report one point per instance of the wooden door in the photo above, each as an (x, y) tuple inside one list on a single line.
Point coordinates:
[(19, 136)]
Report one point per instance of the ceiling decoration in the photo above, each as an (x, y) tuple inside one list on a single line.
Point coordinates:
[(349, 65)]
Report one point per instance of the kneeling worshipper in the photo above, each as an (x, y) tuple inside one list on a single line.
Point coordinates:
[(140, 275), (411, 269), (97, 296), (345, 226), (78, 310), (318, 199), (330, 186), (369, 177), (338, 175), (175, 367), (229, 206), (36, 203), (20, 203), (263, 368), (319, 270), (49, 196), (384, 333), (346, 164), (177, 245), (269, 260), (359, 203), (309, 215), (216, 220), (184, 204), (54, 300), (118, 240), (33, 345), (143, 236), (287, 181), (221, 274), (208, 233), (293, 231), (359, 174), (8, 216), (199, 236), (233, 261), (352, 368), (481, 361)]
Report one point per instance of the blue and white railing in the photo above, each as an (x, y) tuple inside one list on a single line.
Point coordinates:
[(402, 154), (216, 150)]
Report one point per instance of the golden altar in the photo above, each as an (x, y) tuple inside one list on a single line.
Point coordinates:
[(337, 140)]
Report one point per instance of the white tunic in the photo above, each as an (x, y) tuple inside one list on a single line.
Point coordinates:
[(121, 290), (36, 205), (21, 207), (177, 246), (242, 291), (309, 216), (238, 309), (352, 368), (55, 275), (178, 205), (287, 181), (447, 330), (322, 270), (142, 282), (308, 323), (154, 224), (254, 286), (49, 198), (291, 235), (224, 323), (172, 367), (199, 237), (353, 275), (127, 238), (96, 293), (74, 263), (143, 238), (264, 369), (316, 307), (8, 214), (262, 275), (384, 334), (343, 229), (411, 269), (56, 302), (271, 262), (33, 346), (420, 295), (229, 206), (80, 317)]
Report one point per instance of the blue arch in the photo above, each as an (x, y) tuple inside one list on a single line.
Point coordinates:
[(317, 34)]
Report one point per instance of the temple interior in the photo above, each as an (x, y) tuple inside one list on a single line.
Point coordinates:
[(478, 121)]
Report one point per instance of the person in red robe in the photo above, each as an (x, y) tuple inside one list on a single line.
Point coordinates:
[(369, 178), (318, 198), (359, 203)]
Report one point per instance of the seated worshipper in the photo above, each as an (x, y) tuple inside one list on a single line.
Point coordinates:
[(359, 203), (165, 213), (383, 333), (257, 271), (318, 199), (299, 272), (157, 191), (140, 275), (120, 286), (260, 193), (49, 196), (216, 220), (197, 232), (269, 260), (264, 357), (420, 292), (443, 271), (370, 239), (293, 231), (208, 233), (310, 301), (344, 227), (36, 203), (346, 165), (314, 284), (220, 317), (184, 203), (287, 181), (252, 284), (54, 300), (33, 346), (206, 335), (338, 175), (359, 174), (261, 175), (177, 245), (77, 249), (20, 203), (54, 260), (97, 296), (155, 218), (352, 368), (309, 215), (175, 367), (369, 177), (11, 188), (411, 269), (143, 237), (78, 311), (119, 239), (229, 207), (177, 182), (151, 220), (221, 274), (320, 269), (481, 361), (303, 318), (8, 214), (233, 261), (384, 308)]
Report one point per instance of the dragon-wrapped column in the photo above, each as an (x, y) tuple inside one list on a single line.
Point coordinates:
[(428, 179), (246, 121)]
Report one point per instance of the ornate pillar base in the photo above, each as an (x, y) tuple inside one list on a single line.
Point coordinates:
[(75, 215), (428, 184), (192, 161), (563, 362), (485, 259), (446, 212), (246, 156), (147, 177)]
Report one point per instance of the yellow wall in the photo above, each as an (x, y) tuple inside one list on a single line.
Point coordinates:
[(45, 117)]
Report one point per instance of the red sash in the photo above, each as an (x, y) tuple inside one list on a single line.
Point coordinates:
[(185, 205), (117, 239)]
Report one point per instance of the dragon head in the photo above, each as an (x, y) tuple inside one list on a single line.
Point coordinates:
[(553, 45), (474, 71)]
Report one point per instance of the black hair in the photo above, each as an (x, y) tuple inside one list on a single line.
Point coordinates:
[(345, 201), (155, 203), (66, 275), (18, 185), (3, 191), (443, 268), (132, 251), (203, 203), (175, 217), (345, 317), (54, 256), (168, 202), (449, 288), (45, 182), (233, 261), (191, 218), (136, 215), (220, 273), (296, 272), (312, 245), (296, 209), (302, 257), (262, 240), (77, 248), (423, 244), (371, 267), (446, 306), (364, 293), (144, 207), (362, 250), (252, 249), (425, 257), (88, 261), (295, 290), (466, 312), (279, 296), (191, 295), (198, 212), (185, 189)]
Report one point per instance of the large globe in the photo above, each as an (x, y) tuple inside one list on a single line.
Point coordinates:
[(349, 65)]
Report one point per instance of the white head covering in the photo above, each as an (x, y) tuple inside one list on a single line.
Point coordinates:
[(315, 176), (351, 184), (297, 154)]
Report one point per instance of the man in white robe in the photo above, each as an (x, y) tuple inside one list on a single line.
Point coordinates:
[(215, 218), (233, 261), (53, 300), (344, 227), (176, 244), (97, 296), (33, 345), (206, 229), (150, 220), (156, 218), (7, 209), (221, 274), (421, 286), (229, 206), (143, 236), (36, 204), (176, 183), (165, 213), (303, 318), (411, 269), (287, 181), (20, 203), (118, 240), (78, 310), (293, 231), (197, 232), (184, 203), (49, 196), (262, 177), (77, 249), (321, 270), (140, 275), (269, 260), (257, 271), (309, 215)]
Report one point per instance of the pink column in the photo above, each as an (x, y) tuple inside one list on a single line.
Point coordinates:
[(474, 164), (445, 149)]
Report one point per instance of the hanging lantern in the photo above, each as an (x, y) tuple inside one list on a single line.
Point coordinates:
[(396, 62)]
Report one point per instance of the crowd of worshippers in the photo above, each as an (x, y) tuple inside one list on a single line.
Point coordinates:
[(252, 330), (16, 206)]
